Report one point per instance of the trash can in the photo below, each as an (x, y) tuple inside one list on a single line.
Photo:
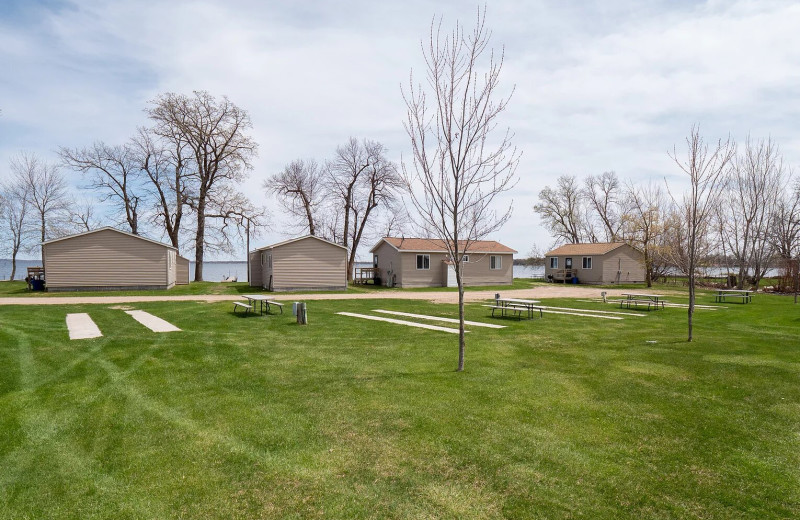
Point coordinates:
[(574, 279), (37, 285)]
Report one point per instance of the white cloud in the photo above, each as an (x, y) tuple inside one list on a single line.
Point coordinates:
[(599, 85)]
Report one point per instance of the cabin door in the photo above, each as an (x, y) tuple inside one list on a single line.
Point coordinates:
[(451, 276)]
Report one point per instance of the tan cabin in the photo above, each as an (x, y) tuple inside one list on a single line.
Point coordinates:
[(304, 263), (425, 262), (599, 263), (110, 259)]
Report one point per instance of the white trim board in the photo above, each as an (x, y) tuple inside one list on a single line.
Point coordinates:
[(435, 318), (81, 326), (592, 311), (153, 323), (400, 322), (584, 315), (666, 304)]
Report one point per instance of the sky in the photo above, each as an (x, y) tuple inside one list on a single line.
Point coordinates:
[(597, 85)]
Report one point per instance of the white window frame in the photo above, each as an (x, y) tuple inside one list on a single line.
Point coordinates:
[(495, 262), (374, 260), (584, 262), (553, 262), (426, 259), (263, 257), (465, 259), (269, 261)]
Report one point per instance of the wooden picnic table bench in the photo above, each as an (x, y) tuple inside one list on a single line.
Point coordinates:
[(742, 294), (516, 307), (639, 298), (263, 301)]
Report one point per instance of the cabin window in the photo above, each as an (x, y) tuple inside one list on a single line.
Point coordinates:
[(568, 263), (374, 260), (262, 259), (465, 259), (423, 261), (495, 262), (553, 262), (269, 261), (587, 262)]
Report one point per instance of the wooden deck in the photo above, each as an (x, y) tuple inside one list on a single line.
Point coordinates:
[(364, 275)]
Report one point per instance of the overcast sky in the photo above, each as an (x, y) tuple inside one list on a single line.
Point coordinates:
[(599, 85)]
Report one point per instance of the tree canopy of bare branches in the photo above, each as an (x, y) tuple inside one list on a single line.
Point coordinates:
[(604, 195), (645, 222), (560, 209), (14, 219), (706, 169), (114, 174), (300, 189), (751, 193), (459, 165), (361, 179), (214, 133), (46, 192)]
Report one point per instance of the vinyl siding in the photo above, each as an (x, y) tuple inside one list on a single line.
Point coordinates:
[(183, 271), (413, 277), (389, 260), (604, 267), (308, 264), (628, 261), (106, 259), (256, 271), (478, 270)]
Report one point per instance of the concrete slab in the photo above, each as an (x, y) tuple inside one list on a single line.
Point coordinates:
[(400, 322), (436, 318), (81, 326), (153, 323)]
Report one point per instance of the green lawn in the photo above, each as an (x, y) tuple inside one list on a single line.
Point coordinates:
[(561, 417), (19, 288)]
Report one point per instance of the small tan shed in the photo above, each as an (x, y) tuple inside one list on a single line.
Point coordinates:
[(600, 263), (304, 263), (109, 259)]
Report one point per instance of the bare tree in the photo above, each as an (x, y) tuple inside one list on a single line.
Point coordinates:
[(170, 171), (14, 218), (561, 209), (361, 180), (344, 172), (644, 222), (752, 190), (115, 174), (299, 189), (604, 195), (47, 194), (83, 215), (459, 165), (216, 143), (706, 169)]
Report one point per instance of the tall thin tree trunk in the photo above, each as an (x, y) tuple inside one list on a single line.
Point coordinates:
[(43, 237), (461, 344), (199, 240), (14, 264)]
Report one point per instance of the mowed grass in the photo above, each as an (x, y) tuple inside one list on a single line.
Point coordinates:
[(258, 417), (18, 288)]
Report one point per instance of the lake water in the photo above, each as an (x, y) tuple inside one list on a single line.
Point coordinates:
[(216, 271)]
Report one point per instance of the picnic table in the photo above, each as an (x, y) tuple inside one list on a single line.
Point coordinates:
[(516, 306), (636, 298), (743, 294), (264, 302)]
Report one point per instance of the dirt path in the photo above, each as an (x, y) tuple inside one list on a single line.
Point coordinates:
[(546, 291)]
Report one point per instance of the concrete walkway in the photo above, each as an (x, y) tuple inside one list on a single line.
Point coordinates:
[(544, 291)]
